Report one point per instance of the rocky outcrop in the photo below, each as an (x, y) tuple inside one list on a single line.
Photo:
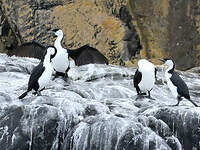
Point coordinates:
[(7, 36), (101, 24), (119, 29), (169, 28), (97, 108)]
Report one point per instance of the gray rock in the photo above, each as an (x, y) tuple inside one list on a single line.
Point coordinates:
[(102, 113)]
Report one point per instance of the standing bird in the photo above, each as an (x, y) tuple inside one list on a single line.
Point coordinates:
[(61, 60), (144, 78), (41, 74), (175, 83), (81, 56)]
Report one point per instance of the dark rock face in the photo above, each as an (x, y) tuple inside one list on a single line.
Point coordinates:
[(97, 108), (169, 28), (7, 36), (186, 125), (183, 34), (132, 45), (25, 127), (27, 22)]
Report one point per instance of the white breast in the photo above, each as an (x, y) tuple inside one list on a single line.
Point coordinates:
[(148, 80), (45, 77), (172, 88), (60, 61)]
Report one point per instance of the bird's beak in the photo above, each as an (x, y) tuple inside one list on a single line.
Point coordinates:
[(162, 60)]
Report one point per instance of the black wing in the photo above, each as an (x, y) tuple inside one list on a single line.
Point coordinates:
[(156, 70), (29, 49), (182, 87), (136, 80), (35, 75), (87, 55)]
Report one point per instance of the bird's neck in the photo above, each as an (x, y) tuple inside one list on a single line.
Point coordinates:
[(170, 69), (58, 41), (46, 61)]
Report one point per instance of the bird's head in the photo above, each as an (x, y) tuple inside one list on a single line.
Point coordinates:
[(167, 62), (57, 32)]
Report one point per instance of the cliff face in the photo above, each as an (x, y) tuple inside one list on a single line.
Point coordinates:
[(105, 25), (169, 28), (164, 28)]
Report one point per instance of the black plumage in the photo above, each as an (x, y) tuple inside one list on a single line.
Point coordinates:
[(182, 88), (175, 83), (33, 80), (29, 49), (136, 80), (87, 55), (38, 73), (144, 78)]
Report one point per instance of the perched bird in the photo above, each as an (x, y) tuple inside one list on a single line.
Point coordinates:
[(41, 74), (144, 78), (81, 56), (61, 60), (175, 83)]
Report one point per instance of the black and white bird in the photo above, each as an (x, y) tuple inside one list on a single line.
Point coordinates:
[(41, 74), (177, 86), (81, 56), (144, 78), (61, 60)]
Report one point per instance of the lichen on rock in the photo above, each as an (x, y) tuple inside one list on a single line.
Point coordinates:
[(101, 24)]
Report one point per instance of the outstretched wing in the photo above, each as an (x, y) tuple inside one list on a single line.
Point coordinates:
[(87, 55)]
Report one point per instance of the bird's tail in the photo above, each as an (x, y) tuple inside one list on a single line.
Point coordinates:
[(193, 103), (23, 95)]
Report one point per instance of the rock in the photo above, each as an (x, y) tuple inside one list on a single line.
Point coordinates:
[(184, 122), (101, 24), (194, 70), (7, 36), (118, 29), (97, 109), (168, 28)]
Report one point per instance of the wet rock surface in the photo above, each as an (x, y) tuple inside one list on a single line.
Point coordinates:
[(97, 108)]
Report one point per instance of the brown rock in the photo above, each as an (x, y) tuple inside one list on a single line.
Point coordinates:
[(102, 24), (96, 23), (169, 28)]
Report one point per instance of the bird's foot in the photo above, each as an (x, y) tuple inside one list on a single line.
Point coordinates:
[(65, 78), (173, 105), (142, 94), (54, 77), (34, 93), (140, 97), (149, 97), (39, 93)]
